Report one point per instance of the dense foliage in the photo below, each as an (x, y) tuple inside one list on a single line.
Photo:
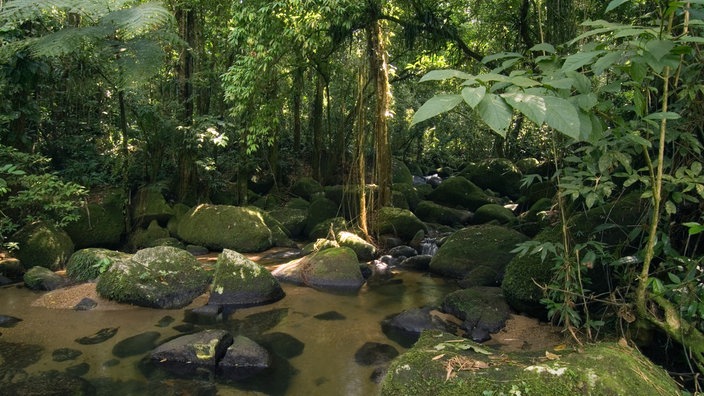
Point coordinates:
[(203, 98)]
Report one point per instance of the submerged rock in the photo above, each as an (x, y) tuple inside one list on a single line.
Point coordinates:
[(8, 321), (190, 354), (407, 326), (375, 353), (64, 354), (49, 383), (101, 336), (136, 345), (244, 358), (467, 368)]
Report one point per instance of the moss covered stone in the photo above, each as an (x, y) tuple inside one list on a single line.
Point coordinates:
[(158, 277), (87, 264), (400, 172), (149, 204), (145, 237), (364, 250), (527, 165), (220, 227), (239, 281), (41, 278), (334, 270), (179, 211), (496, 174), (459, 192), (306, 188), (328, 228), (279, 234), (483, 310), (476, 246), (410, 192), (99, 225), (602, 369), (320, 209), (42, 244), (431, 212), (493, 212), (293, 220), (399, 222)]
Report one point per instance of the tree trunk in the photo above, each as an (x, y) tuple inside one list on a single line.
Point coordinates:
[(317, 129), (125, 161), (186, 25), (382, 149), (560, 21), (297, 100)]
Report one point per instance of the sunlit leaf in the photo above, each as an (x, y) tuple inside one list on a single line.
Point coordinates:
[(495, 113), (576, 61), (532, 106), (562, 115), (438, 104), (435, 75), (546, 47), (473, 95), (615, 3)]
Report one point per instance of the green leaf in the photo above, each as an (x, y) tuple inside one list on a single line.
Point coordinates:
[(546, 47), (562, 83), (674, 278), (494, 111), (473, 95), (438, 104), (523, 81), (500, 55), (532, 106), (615, 3), (670, 208), (667, 115), (659, 48), (605, 62), (435, 75), (562, 116), (576, 61), (491, 77), (657, 286)]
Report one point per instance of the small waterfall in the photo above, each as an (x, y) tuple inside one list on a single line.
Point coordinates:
[(428, 246)]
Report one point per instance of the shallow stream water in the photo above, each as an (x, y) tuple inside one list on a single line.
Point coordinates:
[(317, 335)]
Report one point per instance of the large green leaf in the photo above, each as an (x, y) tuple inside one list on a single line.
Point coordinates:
[(575, 61), (659, 48), (438, 104), (532, 106), (494, 111), (615, 3), (562, 116), (437, 75), (473, 95)]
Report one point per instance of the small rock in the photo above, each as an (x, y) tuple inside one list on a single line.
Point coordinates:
[(78, 370), (86, 304), (101, 336), (375, 353), (8, 321), (64, 354), (330, 315), (244, 358), (136, 345)]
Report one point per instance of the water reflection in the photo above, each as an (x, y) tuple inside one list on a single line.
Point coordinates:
[(312, 336)]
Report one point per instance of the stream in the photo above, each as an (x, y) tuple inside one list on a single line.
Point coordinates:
[(314, 335)]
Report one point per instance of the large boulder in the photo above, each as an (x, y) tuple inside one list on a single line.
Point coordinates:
[(148, 205), (398, 222), (293, 220), (328, 228), (306, 188), (400, 172), (524, 273), (412, 194), (460, 193), (158, 277), (244, 358), (431, 212), (100, 224), (42, 244), (493, 212), (87, 264), (239, 281), (483, 310), (192, 353), (496, 174), (320, 210), (145, 237), (334, 269), (468, 250), (441, 364), (220, 227)]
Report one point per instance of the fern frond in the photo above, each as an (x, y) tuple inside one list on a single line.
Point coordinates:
[(140, 60), (140, 19)]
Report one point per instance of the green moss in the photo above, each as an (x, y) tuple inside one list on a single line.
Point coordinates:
[(149, 204), (320, 210), (484, 245), (142, 238), (601, 369), (42, 244), (335, 268), (459, 192), (400, 172), (497, 174), (100, 225), (410, 192), (88, 264), (493, 212), (364, 250), (400, 222), (323, 228), (431, 212), (293, 220), (220, 227), (306, 187), (242, 282)]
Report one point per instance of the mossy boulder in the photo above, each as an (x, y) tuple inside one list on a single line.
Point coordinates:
[(179, 211), (458, 192), (483, 310), (189, 354), (145, 237), (493, 212), (496, 174), (319, 244), (431, 212), (297, 203), (527, 165), (525, 273), (220, 227), (158, 277), (99, 225), (87, 264), (41, 278), (467, 368), (477, 246), (239, 281), (410, 192), (320, 210), (364, 250), (347, 197), (306, 188), (400, 172), (293, 220), (279, 234), (333, 270), (537, 191), (44, 245), (148, 205), (398, 222), (328, 228)]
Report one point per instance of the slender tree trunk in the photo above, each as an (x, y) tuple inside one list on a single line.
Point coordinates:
[(360, 143), (297, 99), (560, 21), (186, 25), (382, 149), (317, 129), (125, 161)]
